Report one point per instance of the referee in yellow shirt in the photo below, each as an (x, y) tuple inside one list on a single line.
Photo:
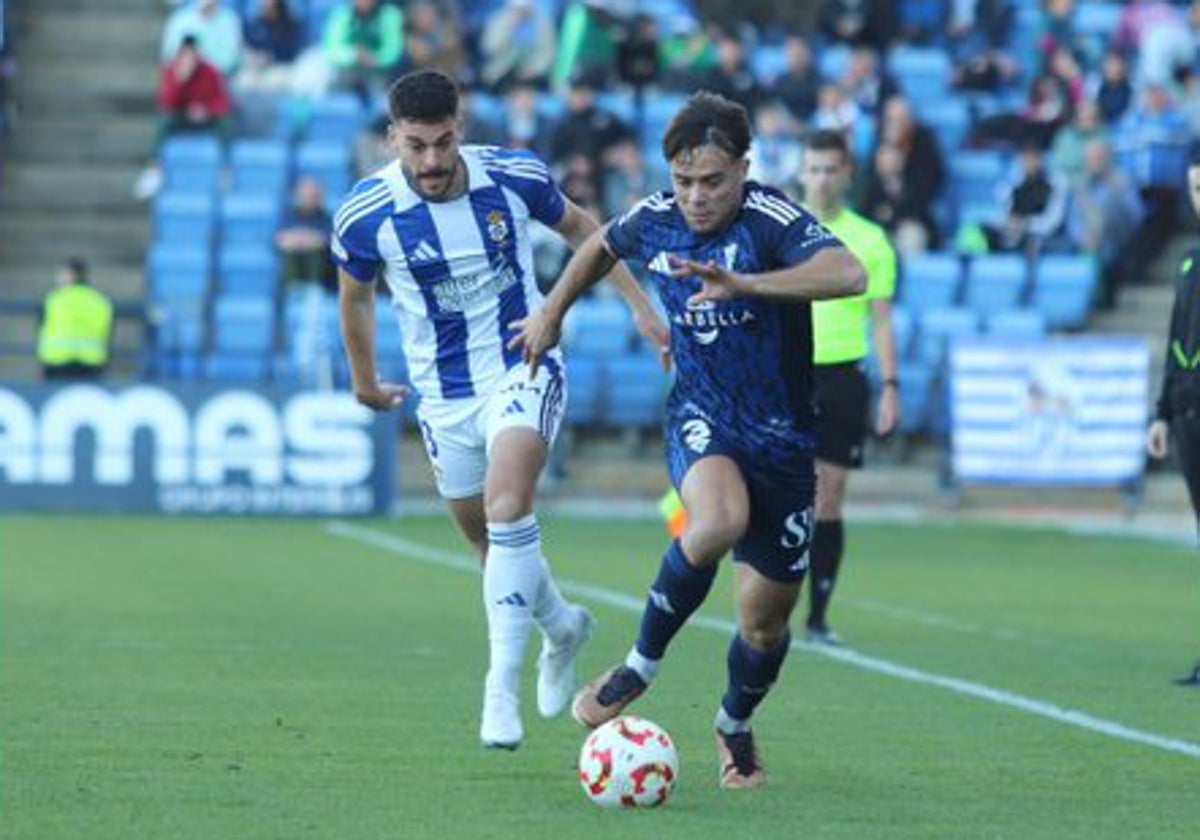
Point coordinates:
[(840, 348)]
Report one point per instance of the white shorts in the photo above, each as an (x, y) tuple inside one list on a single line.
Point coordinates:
[(458, 434)]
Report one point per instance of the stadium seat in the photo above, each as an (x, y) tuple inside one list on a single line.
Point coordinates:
[(975, 176), (833, 60), (948, 117), (221, 366), (995, 282), (635, 387), (923, 73), (916, 388), (598, 328), (585, 391), (618, 103), (176, 210), (249, 219), (191, 163), (1016, 323), (904, 330), (929, 281), (335, 119), (176, 272), (939, 328), (767, 62), (247, 271), (260, 166), (1064, 289), (329, 163)]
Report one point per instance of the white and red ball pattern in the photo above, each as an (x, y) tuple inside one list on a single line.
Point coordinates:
[(628, 762)]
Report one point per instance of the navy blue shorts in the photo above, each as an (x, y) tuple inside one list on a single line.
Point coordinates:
[(781, 481)]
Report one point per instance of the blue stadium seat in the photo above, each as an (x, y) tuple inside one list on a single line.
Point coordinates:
[(923, 16), (939, 328), (768, 61), (1064, 288), (619, 104), (247, 271), (220, 366), (636, 386), (585, 391), (904, 329), (336, 119), (930, 280), (996, 282), (948, 117), (249, 218), (1016, 323), (916, 389), (178, 272), (598, 328), (921, 72), (243, 325), (176, 210), (191, 163), (833, 60), (329, 163), (975, 175), (261, 166)]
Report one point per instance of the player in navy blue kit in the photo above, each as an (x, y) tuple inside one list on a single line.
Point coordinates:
[(735, 265)]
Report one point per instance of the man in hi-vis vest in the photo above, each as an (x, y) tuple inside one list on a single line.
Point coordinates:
[(76, 327)]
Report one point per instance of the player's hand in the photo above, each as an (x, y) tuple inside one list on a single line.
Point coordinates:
[(1156, 439), (716, 283), (656, 332), (381, 396), (537, 332), (887, 414)]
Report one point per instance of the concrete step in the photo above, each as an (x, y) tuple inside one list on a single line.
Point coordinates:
[(122, 234), (120, 138), (31, 278), (85, 105), (65, 180), (94, 22)]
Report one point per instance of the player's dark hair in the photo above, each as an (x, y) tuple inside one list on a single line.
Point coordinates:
[(708, 119), (78, 268), (423, 96), (826, 140)]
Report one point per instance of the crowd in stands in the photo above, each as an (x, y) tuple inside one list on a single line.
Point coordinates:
[(7, 66), (1054, 132)]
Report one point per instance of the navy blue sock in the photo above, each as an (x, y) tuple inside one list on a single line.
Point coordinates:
[(829, 541), (751, 674), (677, 591)]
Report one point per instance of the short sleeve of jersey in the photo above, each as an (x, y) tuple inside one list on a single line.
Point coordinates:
[(525, 174), (880, 265), (355, 228), (791, 235), (621, 234)]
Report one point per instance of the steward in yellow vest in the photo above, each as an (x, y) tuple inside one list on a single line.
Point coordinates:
[(76, 327)]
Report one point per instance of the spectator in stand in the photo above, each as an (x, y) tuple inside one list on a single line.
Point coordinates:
[(732, 77), (1160, 35), (525, 126), (519, 45), (775, 149), (799, 84), (192, 96), (871, 22), (585, 129), (1067, 151), (216, 28), (689, 53), (303, 238), (75, 327), (273, 41), (1057, 26), (924, 170), (363, 43), (867, 84), (889, 199), (836, 111), (1104, 211), (1033, 205), (1115, 93), (623, 179), (989, 20), (433, 41)]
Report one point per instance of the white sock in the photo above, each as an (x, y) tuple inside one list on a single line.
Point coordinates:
[(646, 668), (512, 584), (552, 612)]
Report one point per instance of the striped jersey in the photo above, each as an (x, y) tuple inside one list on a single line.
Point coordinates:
[(459, 271), (746, 362)]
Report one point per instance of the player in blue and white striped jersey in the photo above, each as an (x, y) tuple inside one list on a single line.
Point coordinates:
[(446, 227), (736, 265)]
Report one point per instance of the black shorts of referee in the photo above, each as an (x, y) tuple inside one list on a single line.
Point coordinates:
[(842, 400)]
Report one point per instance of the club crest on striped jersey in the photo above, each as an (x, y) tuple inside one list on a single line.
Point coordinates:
[(497, 227)]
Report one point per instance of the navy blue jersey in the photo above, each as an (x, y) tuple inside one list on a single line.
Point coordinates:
[(746, 363)]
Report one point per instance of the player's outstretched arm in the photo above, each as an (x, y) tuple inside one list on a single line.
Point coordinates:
[(829, 273), (542, 329), (576, 226), (356, 308)]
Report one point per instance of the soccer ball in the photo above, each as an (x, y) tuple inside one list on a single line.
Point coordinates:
[(630, 762)]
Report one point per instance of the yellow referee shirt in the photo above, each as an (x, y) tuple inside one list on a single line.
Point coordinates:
[(840, 325)]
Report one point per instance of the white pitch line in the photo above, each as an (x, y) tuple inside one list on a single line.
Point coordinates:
[(460, 562)]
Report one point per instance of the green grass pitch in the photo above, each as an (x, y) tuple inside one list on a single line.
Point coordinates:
[(166, 678)]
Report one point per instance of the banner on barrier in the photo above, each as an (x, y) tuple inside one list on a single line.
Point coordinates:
[(193, 449), (1069, 410)]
